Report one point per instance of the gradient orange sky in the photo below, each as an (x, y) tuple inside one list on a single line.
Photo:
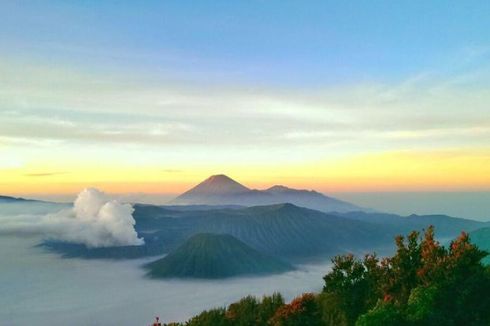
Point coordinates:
[(455, 170)]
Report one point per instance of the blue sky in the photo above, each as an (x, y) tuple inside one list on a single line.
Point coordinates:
[(286, 43)]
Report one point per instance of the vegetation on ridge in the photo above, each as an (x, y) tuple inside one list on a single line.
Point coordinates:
[(424, 283)]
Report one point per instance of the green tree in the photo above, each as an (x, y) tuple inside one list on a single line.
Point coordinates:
[(243, 312), (213, 317), (331, 310), (423, 283), (268, 307), (463, 293), (421, 310), (384, 313), (354, 283)]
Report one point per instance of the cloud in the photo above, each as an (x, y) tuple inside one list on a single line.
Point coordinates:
[(173, 171), (67, 106), (43, 174), (94, 221)]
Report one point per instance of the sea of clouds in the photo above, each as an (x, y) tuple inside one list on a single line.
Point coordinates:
[(40, 286)]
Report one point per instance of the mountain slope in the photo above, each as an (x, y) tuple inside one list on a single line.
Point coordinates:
[(284, 230), (310, 199), (481, 238), (222, 190), (292, 232), (207, 255)]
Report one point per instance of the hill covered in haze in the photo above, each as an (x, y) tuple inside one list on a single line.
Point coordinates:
[(8, 199), (447, 226), (207, 255), (17, 205)]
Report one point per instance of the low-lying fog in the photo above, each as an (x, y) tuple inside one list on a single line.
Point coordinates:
[(39, 287)]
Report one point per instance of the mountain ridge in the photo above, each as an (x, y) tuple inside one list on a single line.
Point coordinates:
[(286, 231), (13, 199), (223, 190)]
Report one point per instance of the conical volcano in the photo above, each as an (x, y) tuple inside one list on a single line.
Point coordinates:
[(207, 255), (218, 189), (218, 184)]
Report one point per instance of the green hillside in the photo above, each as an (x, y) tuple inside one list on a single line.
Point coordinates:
[(207, 255), (481, 238)]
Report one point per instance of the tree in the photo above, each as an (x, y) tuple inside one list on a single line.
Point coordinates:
[(243, 312), (463, 291), (213, 317), (302, 311), (384, 313), (400, 271), (331, 310), (354, 284), (423, 283), (268, 307)]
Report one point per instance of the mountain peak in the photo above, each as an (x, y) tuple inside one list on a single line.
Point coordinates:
[(218, 184), (283, 189), (278, 188), (219, 178)]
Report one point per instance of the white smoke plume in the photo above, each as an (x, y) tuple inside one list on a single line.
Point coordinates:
[(94, 220)]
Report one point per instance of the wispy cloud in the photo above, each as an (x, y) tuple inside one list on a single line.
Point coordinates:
[(86, 109), (43, 174), (65, 113), (173, 171)]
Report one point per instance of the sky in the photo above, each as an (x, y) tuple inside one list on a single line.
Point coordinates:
[(154, 96)]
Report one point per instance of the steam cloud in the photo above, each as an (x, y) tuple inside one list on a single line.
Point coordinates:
[(94, 221)]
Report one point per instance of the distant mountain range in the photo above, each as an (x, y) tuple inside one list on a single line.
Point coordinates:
[(222, 190), (291, 225), (286, 231), (207, 255), (17, 205), (8, 199), (446, 226)]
